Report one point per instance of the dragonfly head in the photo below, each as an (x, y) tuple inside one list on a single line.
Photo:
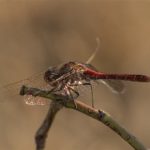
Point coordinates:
[(50, 75)]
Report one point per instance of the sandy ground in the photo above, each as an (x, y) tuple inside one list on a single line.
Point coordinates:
[(38, 34)]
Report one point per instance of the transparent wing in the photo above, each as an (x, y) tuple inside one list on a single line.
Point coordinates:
[(85, 93), (13, 89), (115, 86)]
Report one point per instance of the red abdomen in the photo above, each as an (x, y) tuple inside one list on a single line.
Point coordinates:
[(128, 77)]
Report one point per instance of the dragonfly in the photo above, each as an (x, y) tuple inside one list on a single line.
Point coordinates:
[(73, 74), (67, 77)]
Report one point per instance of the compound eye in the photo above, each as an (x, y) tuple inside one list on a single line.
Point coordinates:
[(51, 74)]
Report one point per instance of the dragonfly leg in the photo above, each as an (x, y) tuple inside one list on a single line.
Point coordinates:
[(73, 90), (84, 83), (53, 90), (70, 90), (56, 89)]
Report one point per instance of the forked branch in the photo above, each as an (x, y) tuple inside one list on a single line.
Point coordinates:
[(99, 115)]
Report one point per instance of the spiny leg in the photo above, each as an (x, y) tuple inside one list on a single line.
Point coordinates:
[(84, 83), (73, 90), (57, 88), (54, 89), (70, 90)]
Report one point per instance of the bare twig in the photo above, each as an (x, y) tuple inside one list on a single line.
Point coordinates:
[(41, 134), (99, 115)]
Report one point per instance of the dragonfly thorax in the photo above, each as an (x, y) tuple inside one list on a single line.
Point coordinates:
[(70, 73)]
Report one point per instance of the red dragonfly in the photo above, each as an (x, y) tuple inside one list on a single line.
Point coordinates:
[(73, 74), (67, 77)]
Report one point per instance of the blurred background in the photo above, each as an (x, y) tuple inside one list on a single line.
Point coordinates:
[(37, 34)]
